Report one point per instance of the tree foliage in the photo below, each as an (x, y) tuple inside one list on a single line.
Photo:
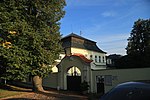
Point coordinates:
[(138, 48), (29, 36)]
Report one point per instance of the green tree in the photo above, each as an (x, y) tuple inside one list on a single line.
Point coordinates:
[(29, 38), (138, 48)]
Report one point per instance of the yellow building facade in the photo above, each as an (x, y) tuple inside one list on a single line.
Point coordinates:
[(75, 44)]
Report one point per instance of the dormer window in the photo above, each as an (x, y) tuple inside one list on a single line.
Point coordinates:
[(91, 57), (95, 58), (103, 58), (99, 58)]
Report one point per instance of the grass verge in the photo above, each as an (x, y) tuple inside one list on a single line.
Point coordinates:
[(9, 90), (7, 93)]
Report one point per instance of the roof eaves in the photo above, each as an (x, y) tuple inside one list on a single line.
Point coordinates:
[(77, 36)]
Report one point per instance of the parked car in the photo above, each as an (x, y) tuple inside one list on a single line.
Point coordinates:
[(129, 91)]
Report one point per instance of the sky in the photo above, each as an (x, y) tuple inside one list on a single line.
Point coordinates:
[(107, 22)]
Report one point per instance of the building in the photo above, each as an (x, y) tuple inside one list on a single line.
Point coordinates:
[(81, 56), (81, 61), (76, 45), (112, 60)]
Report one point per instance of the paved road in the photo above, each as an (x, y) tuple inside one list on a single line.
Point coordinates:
[(50, 95)]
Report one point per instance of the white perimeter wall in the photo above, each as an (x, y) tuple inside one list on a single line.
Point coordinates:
[(51, 80), (119, 76)]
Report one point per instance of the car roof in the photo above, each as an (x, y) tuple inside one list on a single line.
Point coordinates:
[(134, 84)]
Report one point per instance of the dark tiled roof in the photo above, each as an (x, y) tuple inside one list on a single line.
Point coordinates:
[(77, 36), (114, 56), (87, 47), (69, 43)]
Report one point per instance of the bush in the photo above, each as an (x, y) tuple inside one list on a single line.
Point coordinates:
[(84, 86)]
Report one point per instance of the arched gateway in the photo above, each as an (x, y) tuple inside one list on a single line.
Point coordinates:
[(73, 78), (73, 70)]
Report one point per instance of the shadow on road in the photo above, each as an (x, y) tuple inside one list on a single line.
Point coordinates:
[(19, 99)]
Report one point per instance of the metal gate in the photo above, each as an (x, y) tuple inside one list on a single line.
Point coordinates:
[(100, 84), (73, 83)]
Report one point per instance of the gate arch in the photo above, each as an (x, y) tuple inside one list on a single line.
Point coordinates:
[(73, 61), (73, 71)]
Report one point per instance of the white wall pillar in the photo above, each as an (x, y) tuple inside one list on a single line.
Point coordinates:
[(65, 81)]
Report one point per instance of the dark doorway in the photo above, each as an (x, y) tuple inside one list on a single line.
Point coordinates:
[(73, 79), (100, 84), (73, 83)]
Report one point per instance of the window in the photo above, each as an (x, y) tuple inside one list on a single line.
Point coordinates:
[(91, 57), (95, 58), (103, 58), (99, 58)]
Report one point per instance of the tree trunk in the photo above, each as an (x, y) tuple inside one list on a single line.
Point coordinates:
[(37, 83)]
